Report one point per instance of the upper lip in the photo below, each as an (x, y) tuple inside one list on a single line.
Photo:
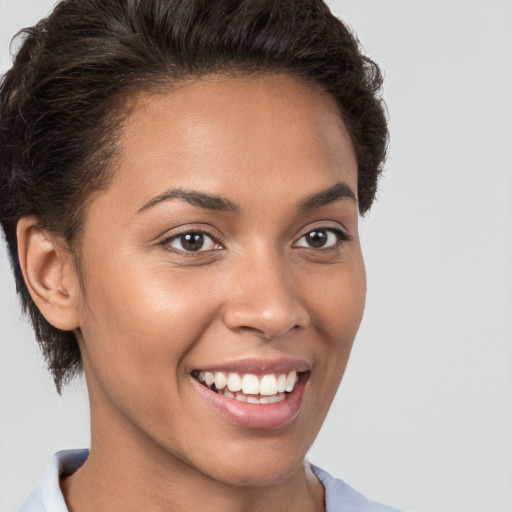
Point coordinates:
[(259, 366)]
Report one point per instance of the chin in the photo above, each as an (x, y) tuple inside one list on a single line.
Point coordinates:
[(256, 464), (259, 474)]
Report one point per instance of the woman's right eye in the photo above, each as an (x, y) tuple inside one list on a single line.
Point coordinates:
[(192, 241)]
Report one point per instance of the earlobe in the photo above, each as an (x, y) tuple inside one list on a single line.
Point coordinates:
[(49, 274)]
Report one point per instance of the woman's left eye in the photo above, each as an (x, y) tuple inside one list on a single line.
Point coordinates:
[(192, 242), (323, 238)]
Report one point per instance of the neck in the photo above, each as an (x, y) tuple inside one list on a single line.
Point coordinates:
[(127, 472)]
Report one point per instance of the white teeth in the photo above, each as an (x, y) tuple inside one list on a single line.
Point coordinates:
[(270, 388), (220, 380), (272, 399), (281, 383), (253, 399), (209, 378), (268, 385), (291, 381), (250, 384), (234, 382)]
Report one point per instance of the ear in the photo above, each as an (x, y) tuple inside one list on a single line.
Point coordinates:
[(49, 273)]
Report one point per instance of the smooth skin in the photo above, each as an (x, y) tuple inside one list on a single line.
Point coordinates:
[(150, 308)]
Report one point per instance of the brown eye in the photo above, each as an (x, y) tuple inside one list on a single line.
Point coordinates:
[(320, 239), (316, 238), (192, 242)]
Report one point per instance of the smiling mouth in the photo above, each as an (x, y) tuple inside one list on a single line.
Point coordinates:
[(247, 387)]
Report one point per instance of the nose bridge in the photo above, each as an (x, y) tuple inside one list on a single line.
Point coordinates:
[(264, 299)]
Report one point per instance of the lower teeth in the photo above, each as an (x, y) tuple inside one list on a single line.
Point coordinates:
[(251, 399)]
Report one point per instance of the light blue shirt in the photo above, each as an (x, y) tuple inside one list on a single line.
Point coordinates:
[(47, 496)]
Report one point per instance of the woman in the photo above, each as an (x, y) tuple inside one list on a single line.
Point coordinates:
[(181, 185)]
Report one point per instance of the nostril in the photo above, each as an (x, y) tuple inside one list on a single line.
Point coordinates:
[(254, 331), (268, 334)]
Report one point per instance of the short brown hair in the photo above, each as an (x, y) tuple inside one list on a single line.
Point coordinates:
[(61, 103)]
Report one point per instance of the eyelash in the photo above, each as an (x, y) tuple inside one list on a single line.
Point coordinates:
[(340, 238), (166, 243)]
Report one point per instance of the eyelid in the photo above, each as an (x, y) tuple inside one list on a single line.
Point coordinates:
[(327, 226), (340, 233), (172, 234)]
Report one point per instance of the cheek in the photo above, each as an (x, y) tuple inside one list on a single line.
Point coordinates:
[(336, 302), (143, 321), (336, 299)]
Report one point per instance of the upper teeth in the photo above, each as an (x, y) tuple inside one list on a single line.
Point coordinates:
[(250, 384)]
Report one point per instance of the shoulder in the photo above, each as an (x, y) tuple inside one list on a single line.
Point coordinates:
[(47, 496), (340, 497)]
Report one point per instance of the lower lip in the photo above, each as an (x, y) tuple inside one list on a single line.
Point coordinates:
[(256, 416)]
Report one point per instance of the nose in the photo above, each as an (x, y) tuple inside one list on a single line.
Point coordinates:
[(264, 300)]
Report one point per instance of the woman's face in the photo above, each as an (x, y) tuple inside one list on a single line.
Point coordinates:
[(226, 248)]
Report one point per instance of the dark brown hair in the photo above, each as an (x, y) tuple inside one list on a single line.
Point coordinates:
[(65, 97)]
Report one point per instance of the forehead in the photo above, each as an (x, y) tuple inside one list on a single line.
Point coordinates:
[(214, 133)]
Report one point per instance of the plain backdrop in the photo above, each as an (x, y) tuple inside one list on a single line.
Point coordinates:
[(423, 419)]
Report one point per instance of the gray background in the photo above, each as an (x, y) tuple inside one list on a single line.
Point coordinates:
[(423, 419)]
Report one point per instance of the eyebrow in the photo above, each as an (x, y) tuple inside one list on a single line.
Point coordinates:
[(334, 193), (210, 202), (337, 192)]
